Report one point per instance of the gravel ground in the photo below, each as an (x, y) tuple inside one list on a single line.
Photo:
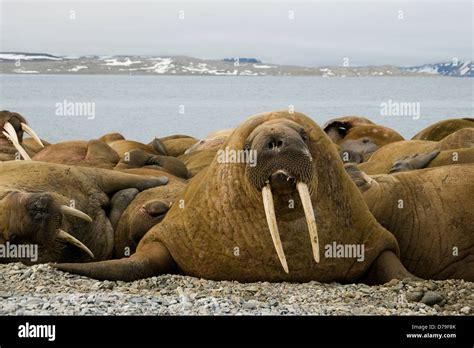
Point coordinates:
[(42, 290)]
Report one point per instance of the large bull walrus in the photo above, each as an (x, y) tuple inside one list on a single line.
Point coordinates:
[(430, 212), (60, 209), (275, 205)]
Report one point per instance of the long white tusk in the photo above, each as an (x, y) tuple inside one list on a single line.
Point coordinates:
[(310, 219), (27, 129), (10, 134), (63, 235), (74, 212), (272, 224)]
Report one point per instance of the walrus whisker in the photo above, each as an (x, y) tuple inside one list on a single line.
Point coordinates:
[(63, 235), (75, 212), (310, 219), (27, 129), (10, 134), (272, 224)]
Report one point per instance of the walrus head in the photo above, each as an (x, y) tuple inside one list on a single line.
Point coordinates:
[(284, 165), (37, 219), (13, 127)]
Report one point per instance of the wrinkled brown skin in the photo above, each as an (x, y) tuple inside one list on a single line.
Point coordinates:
[(224, 211), (204, 144), (140, 158), (199, 160), (7, 150), (31, 193), (111, 137), (94, 153), (122, 147), (435, 218), (176, 145), (442, 129), (147, 209), (32, 147), (457, 148)]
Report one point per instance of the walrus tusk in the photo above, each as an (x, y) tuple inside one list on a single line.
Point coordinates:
[(27, 129), (74, 212), (272, 224), (10, 134), (63, 235), (310, 219)]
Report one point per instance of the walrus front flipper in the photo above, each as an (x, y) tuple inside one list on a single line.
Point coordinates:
[(387, 266), (119, 202), (361, 179), (414, 162), (111, 181), (153, 259)]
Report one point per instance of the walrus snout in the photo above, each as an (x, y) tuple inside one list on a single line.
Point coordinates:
[(282, 182)]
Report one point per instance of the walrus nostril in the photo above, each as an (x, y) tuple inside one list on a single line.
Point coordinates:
[(275, 144)]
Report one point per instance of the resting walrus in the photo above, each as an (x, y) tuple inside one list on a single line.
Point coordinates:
[(430, 212), (13, 126), (456, 148), (50, 205), (250, 218)]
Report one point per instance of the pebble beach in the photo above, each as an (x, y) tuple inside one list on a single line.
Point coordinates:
[(43, 290)]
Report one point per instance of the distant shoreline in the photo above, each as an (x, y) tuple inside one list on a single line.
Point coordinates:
[(23, 63)]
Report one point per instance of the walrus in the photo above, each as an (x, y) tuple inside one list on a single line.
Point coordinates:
[(122, 147), (209, 143), (442, 129), (197, 161), (265, 220), (60, 208), (144, 211), (93, 153), (359, 137), (177, 144), (337, 128), (141, 158), (456, 148), (429, 211), (13, 127)]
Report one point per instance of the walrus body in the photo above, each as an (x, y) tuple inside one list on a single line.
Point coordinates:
[(430, 212), (442, 129), (256, 223), (359, 137), (176, 145), (147, 209), (456, 148), (50, 204), (199, 160), (94, 153)]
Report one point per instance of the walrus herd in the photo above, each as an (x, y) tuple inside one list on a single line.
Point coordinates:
[(276, 199)]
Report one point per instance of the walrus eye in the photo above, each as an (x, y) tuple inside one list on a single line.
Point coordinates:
[(303, 134)]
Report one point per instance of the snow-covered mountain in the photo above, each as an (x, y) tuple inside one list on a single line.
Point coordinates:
[(43, 63), (465, 69)]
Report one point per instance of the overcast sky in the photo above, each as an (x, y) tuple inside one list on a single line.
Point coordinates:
[(321, 32)]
